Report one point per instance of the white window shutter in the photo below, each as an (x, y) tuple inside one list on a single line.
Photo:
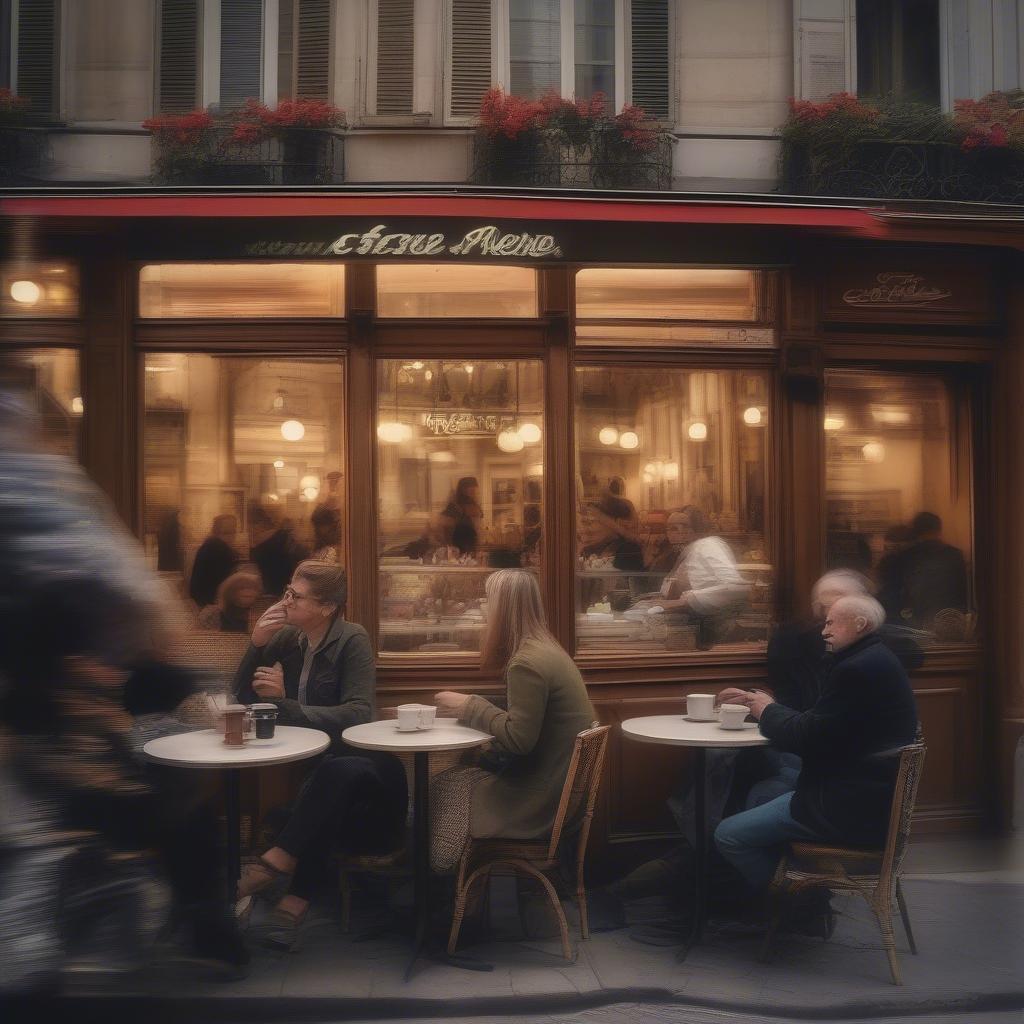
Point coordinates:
[(471, 55), (241, 51), (313, 50), (37, 56), (394, 56), (823, 38), (178, 85), (649, 56)]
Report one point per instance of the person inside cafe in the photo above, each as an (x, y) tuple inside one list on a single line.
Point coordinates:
[(273, 548), (326, 523), (318, 669), (932, 575), (215, 561), (514, 794), (704, 586), (233, 610), (846, 742), (460, 519)]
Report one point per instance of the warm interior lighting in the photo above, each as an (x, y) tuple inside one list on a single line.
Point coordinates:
[(292, 430), (455, 290), (530, 433), (891, 415), (417, 365), (629, 440), (26, 292), (834, 421), (310, 481), (310, 493), (468, 367), (394, 432), (510, 441), (671, 471), (537, 469), (77, 405), (752, 416), (697, 431), (607, 435), (278, 463), (874, 451)]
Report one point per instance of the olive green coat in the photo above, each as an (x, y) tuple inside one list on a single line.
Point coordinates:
[(547, 706)]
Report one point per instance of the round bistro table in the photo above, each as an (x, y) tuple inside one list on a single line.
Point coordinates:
[(446, 734), (680, 731), (206, 749)]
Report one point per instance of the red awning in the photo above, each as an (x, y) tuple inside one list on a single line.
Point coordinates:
[(850, 220)]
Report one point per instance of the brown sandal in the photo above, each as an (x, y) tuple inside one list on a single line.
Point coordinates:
[(259, 875)]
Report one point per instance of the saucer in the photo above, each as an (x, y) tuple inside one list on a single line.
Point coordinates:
[(739, 728), (700, 721)]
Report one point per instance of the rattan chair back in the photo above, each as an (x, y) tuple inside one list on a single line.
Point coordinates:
[(582, 780), (903, 801)]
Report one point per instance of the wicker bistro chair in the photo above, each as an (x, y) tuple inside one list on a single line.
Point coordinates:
[(872, 874), (539, 858)]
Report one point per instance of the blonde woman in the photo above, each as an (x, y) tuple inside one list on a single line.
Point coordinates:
[(547, 706)]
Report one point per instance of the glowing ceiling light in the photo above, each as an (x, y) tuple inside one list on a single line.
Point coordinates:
[(834, 421), (310, 481), (607, 435), (510, 441), (671, 471), (26, 292), (417, 365), (530, 433), (629, 440), (697, 431), (278, 463), (468, 367), (310, 493), (77, 405), (752, 416), (293, 430), (874, 451), (429, 375), (394, 432)]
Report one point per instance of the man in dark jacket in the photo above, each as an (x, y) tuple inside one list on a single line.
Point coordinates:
[(844, 791)]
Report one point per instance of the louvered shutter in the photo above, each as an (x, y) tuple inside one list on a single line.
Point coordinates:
[(394, 56), (5, 45), (313, 49), (649, 56), (471, 55), (241, 51), (822, 65), (37, 56), (179, 56)]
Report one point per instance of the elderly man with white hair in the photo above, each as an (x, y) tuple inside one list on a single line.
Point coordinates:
[(844, 791)]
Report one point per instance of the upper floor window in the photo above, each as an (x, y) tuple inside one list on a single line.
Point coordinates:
[(29, 54), (898, 49), (577, 48)]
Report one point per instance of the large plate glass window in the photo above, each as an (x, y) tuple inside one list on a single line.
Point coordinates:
[(38, 289), (673, 552), (455, 290), (243, 461), (49, 382), (898, 496), (460, 470)]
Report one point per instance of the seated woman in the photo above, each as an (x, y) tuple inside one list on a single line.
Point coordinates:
[(704, 584), (319, 671), (233, 611), (547, 706)]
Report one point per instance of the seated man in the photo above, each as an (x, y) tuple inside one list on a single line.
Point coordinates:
[(844, 790)]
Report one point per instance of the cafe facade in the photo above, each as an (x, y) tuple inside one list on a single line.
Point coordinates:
[(809, 378)]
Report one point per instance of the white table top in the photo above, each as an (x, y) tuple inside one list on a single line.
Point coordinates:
[(446, 734), (207, 749), (677, 731)]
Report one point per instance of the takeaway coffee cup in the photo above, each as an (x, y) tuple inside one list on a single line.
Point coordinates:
[(700, 707), (264, 720), (732, 716), (415, 716), (234, 724)]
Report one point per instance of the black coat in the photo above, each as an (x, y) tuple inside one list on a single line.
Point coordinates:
[(866, 708), (342, 684), (215, 561)]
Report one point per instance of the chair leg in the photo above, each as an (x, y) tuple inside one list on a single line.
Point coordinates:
[(902, 904), (345, 884), (776, 903), (556, 904), (581, 902), (884, 916)]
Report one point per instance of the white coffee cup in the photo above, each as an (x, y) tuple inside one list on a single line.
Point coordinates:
[(700, 707), (415, 716), (732, 716)]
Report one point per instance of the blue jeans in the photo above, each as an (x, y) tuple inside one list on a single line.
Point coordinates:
[(753, 841)]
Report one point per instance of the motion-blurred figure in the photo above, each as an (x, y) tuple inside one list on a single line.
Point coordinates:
[(215, 561)]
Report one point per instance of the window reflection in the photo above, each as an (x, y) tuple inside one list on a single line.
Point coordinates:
[(460, 450), (671, 510), (242, 468), (169, 290), (49, 381), (449, 290), (894, 511)]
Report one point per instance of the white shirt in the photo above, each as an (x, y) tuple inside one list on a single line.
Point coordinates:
[(714, 581)]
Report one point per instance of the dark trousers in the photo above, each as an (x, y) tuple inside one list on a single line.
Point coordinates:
[(358, 803)]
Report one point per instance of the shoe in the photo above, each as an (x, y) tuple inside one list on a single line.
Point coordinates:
[(243, 910), (258, 876), (284, 929)]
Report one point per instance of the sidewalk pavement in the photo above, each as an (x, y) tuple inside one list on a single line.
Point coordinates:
[(969, 926)]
